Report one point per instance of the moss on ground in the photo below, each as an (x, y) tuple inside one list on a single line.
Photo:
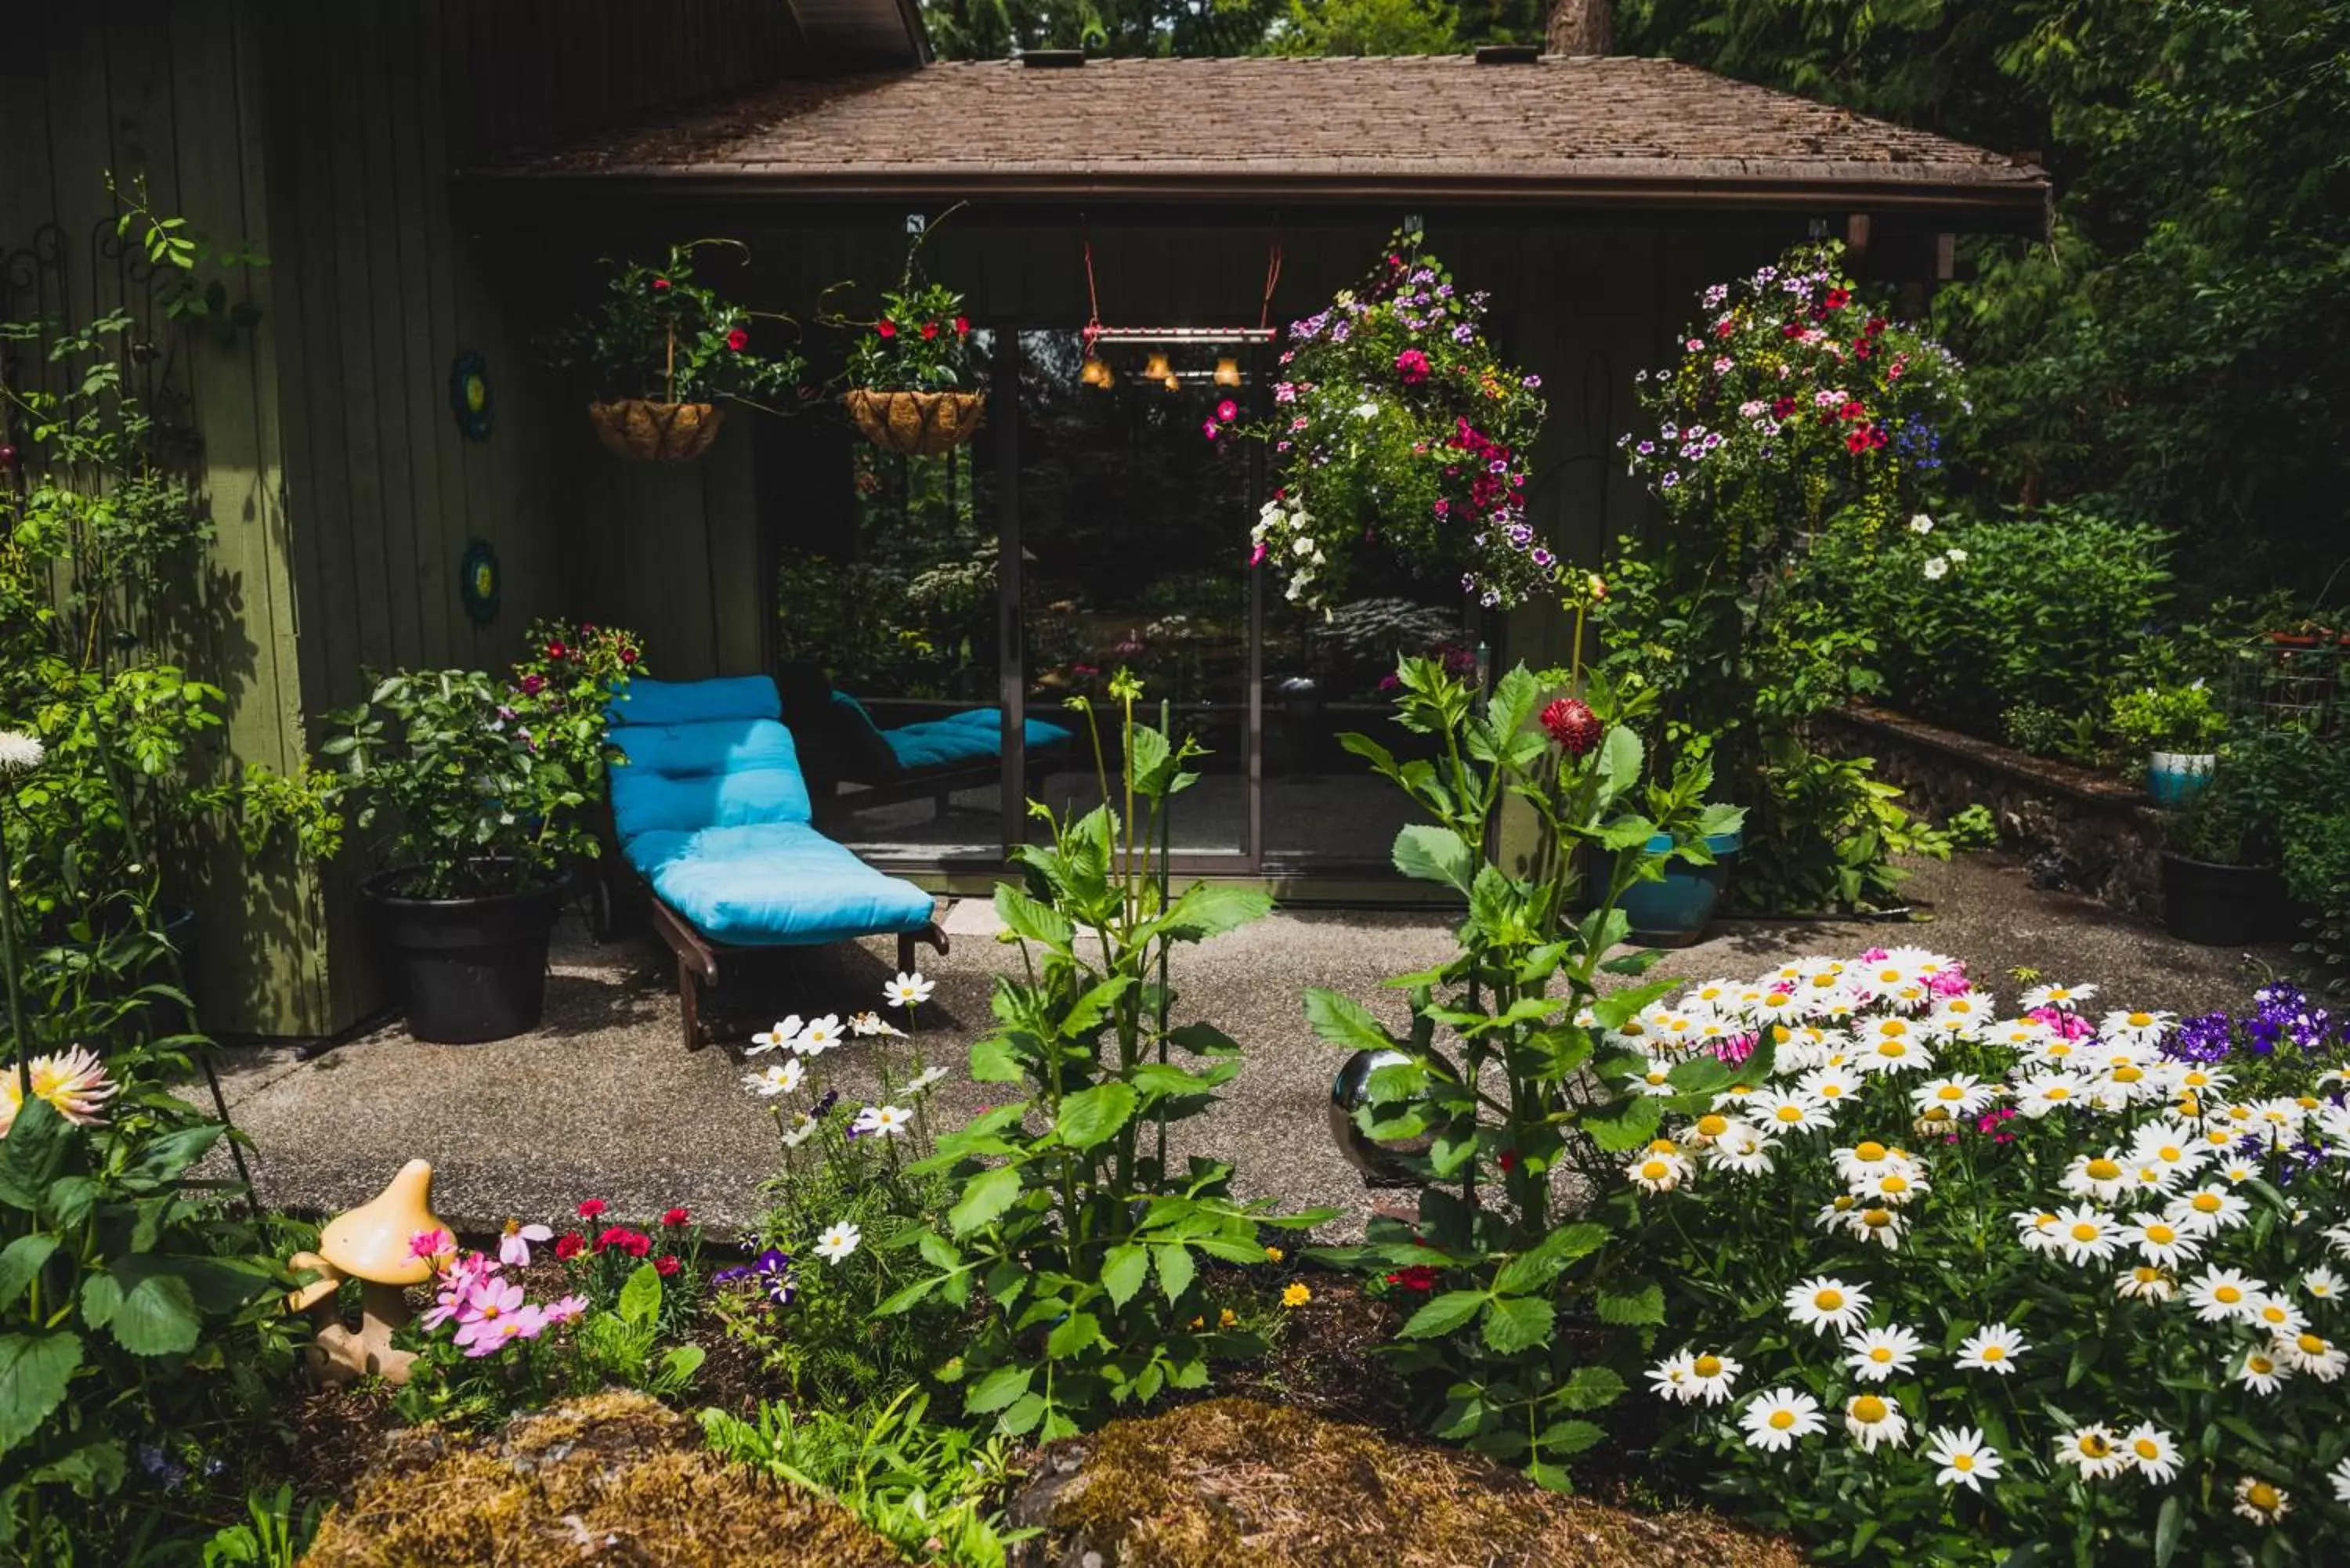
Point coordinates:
[(613, 1479), (1230, 1482)]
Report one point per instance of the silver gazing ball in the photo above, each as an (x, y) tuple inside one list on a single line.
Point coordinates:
[(1378, 1160)]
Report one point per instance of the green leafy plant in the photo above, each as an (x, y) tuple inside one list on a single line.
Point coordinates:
[(919, 341), (1500, 1070), (273, 1534), (1972, 827), (935, 1491), (481, 784), (623, 1345), (2265, 784), (1070, 1235), (2167, 719), (661, 337)]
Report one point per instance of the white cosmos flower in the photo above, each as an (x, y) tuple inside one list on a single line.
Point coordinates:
[(2067, 997), (906, 990), (2262, 1371), (888, 1121), (19, 753), (1775, 1420), (776, 1078), (838, 1243), (2094, 1451), (2152, 1451), (923, 1082), (866, 1025), (820, 1037), (2222, 1295), (1872, 1418), (1961, 1457), (1993, 1347), (787, 1030), (803, 1128), (1827, 1305), (2313, 1354), (1876, 1354), (2262, 1502)]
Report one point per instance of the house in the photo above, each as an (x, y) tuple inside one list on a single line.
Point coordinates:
[(437, 180)]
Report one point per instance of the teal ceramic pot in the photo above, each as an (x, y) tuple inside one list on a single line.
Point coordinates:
[(1674, 912), (2174, 778)]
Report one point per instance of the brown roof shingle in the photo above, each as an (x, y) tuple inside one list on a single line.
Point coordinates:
[(1563, 130)]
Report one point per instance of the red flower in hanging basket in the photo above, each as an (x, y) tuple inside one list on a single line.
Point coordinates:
[(627, 656), (1852, 409), (962, 326), (885, 329), (532, 685), (738, 340), (1791, 329), (660, 283), (557, 650), (1839, 298), (1874, 326), (1228, 410), (1783, 409), (929, 331)]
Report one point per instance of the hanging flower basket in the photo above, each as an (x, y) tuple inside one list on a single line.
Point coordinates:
[(647, 431), (919, 424)]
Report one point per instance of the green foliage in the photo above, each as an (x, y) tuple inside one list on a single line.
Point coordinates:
[(920, 342), (1972, 827), (935, 1491), (2267, 786), (271, 1535), (660, 336), (1363, 27), (1511, 1093), (481, 784), (1394, 421), (2166, 718), (1070, 1237), (181, 256)]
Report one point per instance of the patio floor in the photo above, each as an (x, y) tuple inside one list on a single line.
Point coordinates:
[(603, 1101)]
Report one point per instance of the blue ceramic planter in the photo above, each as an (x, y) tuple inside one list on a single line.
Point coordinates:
[(1674, 912), (2174, 778)]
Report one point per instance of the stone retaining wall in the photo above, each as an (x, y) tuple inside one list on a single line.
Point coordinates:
[(2086, 832)]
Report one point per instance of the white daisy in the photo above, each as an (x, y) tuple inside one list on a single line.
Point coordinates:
[(2152, 1451), (1784, 1112), (1775, 1420), (1872, 1419), (2139, 1029), (2067, 997), (2161, 1242), (2262, 1371), (1961, 1457), (787, 1030), (1959, 1093), (1672, 1376), (2322, 1284), (2144, 1282), (2262, 1502), (2036, 1229), (1742, 1149), (776, 1078), (1827, 1305), (2039, 1093), (906, 990), (1877, 1224), (1659, 1172), (1993, 1347), (2099, 1176), (838, 1243), (2312, 1354), (1876, 1354), (2220, 1295), (1893, 1045), (1891, 1187), (1829, 1085), (2084, 1233), (1710, 1378), (2207, 1209), (2094, 1451), (2340, 1477), (1868, 1159), (2276, 1316)]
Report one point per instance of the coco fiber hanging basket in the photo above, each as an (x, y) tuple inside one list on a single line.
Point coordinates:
[(920, 424), (645, 432)]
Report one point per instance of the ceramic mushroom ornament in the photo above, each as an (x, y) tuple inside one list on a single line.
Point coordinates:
[(369, 1244)]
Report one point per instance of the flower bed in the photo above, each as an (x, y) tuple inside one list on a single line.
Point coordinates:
[(1960, 1277)]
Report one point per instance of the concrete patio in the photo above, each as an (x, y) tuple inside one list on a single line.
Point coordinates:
[(603, 1102)]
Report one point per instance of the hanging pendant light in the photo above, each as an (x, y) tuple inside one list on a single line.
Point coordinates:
[(1227, 372), (1093, 372), (1155, 370)]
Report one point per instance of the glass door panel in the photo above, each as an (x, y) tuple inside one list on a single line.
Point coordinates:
[(1134, 547)]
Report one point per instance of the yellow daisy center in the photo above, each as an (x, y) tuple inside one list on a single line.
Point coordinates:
[(1894, 1184), (1709, 1366), (2140, 1019), (1782, 1419), (1949, 1091), (2206, 1203), (2128, 1075), (2262, 1496), (1871, 1151), (2311, 1344), (2093, 1445), (2161, 1235), (2272, 1313), (2146, 1449), (1790, 1114), (1655, 1170), (1992, 1353), (1829, 1301), (1878, 1219), (2084, 1232), (1713, 1126), (1880, 1355), (2227, 1295), (2103, 1171), (2257, 1363), (1868, 1409), (1962, 1461), (1662, 1145)]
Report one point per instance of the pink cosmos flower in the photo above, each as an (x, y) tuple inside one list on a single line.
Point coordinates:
[(523, 1322), (431, 1244), (489, 1303), (564, 1309), (514, 1247)]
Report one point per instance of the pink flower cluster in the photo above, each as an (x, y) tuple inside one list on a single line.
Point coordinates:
[(489, 1310)]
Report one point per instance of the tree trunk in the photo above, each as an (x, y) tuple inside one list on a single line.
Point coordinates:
[(1580, 28)]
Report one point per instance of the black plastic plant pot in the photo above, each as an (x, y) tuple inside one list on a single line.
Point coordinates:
[(469, 970), (2217, 905)]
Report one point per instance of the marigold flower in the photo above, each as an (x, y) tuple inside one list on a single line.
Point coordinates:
[(1297, 1295)]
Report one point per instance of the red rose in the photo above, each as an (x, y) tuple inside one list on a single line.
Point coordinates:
[(962, 326), (591, 1208), (1839, 298), (887, 328), (557, 650), (666, 1265), (1856, 442), (1573, 724), (929, 331), (568, 1245), (676, 1217), (661, 283), (738, 339)]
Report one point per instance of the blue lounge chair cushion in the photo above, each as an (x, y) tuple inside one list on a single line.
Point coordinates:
[(646, 702), (774, 883), (970, 736), (718, 773)]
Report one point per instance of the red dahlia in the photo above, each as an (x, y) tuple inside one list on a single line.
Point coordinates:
[(1573, 724), (887, 328)]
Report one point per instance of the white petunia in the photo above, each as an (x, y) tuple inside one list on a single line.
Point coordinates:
[(1921, 524), (1775, 1420), (1993, 1347), (1936, 568), (1961, 1457)]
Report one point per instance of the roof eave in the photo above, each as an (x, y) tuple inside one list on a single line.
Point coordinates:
[(2016, 203)]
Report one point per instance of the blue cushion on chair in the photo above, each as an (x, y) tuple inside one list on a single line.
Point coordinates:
[(721, 772), (776, 884), (972, 736), (644, 701)]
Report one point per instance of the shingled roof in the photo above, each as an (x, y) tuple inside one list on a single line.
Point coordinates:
[(1557, 131)]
